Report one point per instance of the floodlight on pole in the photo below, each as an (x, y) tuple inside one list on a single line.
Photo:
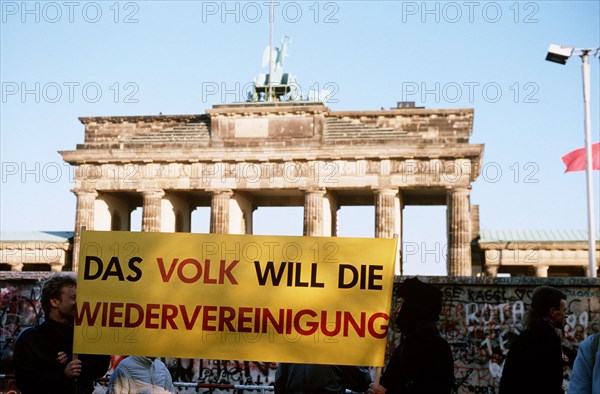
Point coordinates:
[(559, 54)]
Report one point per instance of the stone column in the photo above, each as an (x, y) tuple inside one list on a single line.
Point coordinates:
[(459, 232), (385, 213), (313, 212), (491, 270), (541, 271), (84, 217), (219, 212), (586, 271), (151, 210), (388, 219)]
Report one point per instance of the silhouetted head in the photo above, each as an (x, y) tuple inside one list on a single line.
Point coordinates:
[(419, 303), (547, 303)]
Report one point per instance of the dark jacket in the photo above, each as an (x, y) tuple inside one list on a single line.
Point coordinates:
[(37, 369), (422, 363), (320, 379), (534, 363)]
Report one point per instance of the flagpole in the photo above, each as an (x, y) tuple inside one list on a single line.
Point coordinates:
[(271, 20), (585, 67)]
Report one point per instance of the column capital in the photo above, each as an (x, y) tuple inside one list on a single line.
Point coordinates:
[(314, 190), (386, 191), (220, 192), (458, 190), (151, 192), (80, 192)]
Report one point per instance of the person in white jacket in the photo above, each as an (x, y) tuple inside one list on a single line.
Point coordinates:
[(141, 375), (585, 377)]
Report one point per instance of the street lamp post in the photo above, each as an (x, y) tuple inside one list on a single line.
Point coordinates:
[(560, 54)]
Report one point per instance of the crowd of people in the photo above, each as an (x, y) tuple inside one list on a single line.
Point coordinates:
[(422, 363)]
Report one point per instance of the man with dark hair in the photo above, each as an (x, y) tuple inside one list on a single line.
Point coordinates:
[(43, 357), (535, 360), (422, 362)]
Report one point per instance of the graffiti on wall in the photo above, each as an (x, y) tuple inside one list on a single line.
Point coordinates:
[(19, 308), (480, 319), (222, 371)]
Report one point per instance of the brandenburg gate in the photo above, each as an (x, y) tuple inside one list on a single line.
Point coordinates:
[(237, 157)]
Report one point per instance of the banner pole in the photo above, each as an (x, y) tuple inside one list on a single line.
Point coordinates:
[(377, 374), (76, 355), (378, 370)]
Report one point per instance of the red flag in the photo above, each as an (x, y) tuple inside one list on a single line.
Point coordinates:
[(575, 161)]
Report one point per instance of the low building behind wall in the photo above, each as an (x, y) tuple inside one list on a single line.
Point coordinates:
[(509, 252), (540, 253), (480, 318), (36, 251)]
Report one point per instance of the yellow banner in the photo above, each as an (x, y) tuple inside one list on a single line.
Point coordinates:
[(242, 297)]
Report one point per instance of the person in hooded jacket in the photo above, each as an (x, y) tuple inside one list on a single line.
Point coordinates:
[(423, 361)]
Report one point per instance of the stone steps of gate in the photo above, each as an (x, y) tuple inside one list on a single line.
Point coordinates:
[(361, 131), (173, 133), (169, 137), (364, 134), (199, 127), (333, 126), (331, 121), (167, 144), (193, 131), (177, 132), (362, 137), (358, 128)]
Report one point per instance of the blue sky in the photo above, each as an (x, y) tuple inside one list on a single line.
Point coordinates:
[(63, 60)]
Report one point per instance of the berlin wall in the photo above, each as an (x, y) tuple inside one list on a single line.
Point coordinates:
[(480, 318)]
